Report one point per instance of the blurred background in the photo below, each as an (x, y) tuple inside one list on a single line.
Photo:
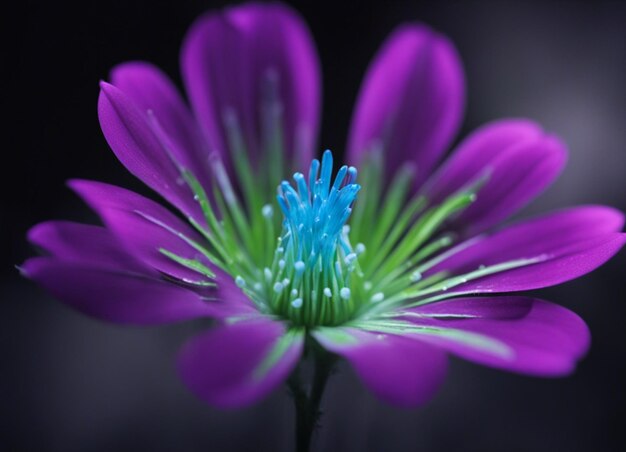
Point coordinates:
[(70, 383)]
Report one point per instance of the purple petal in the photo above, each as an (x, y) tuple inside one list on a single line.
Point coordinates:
[(569, 243), (143, 226), (411, 101), (396, 369), (154, 94), (229, 62), (236, 365), (132, 138), (81, 243), (547, 341), (495, 308), (519, 160), (231, 299), (117, 295)]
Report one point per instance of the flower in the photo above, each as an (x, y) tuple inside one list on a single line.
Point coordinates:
[(392, 281)]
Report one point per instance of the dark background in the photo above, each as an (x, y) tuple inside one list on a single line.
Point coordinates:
[(70, 383)]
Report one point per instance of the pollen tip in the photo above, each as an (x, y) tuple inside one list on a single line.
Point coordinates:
[(241, 283), (267, 211)]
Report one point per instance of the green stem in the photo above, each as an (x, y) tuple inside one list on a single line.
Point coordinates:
[(308, 404)]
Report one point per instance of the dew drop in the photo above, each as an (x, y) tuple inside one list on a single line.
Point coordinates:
[(344, 293), (240, 282), (328, 292), (267, 211), (297, 303)]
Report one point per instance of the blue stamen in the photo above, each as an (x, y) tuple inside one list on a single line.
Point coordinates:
[(315, 238)]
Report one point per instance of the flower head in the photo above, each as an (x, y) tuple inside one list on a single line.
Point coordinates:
[(392, 273)]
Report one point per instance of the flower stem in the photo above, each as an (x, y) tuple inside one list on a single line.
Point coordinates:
[(308, 404)]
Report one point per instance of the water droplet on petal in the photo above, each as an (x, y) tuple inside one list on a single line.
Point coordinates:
[(267, 211)]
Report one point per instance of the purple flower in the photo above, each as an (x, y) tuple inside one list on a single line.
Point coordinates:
[(393, 282)]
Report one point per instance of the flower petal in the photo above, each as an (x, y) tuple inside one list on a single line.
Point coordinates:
[(116, 295), (236, 365), (230, 61), (495, 308), (411, 101), (519, 160), (567, 244), (231, 299), (133, 140), (155, 94), (81, 243), (143, 226), (547, 341), (398, 370)]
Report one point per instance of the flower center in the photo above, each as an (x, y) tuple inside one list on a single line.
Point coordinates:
[(315, 260), (309, 281)]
